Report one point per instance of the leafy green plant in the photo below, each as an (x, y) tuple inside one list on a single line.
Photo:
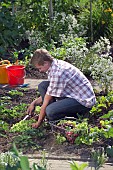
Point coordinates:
[(15, 93), (102, 107), (108, 115), (87, 134), (29, 139), (75, 166), (101, 12), (16, 161), (37, 109), (11, 29), (64, 25), (4, 127), (99, 158), (5, 98), (78, 132), (97, 108), (22, 125), (7, 114), (9, 160), (25, 141), (60, 139), (20, 107), (107, 131), (12, 112)]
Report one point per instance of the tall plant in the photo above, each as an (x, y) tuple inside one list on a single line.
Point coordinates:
[(102, 67), (11, 30), (102, 19), (102, 72)]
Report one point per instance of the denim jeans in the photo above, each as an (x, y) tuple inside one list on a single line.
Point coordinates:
[(61, 107)]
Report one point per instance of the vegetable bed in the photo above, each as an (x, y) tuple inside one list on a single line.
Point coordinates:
[(66, 136)]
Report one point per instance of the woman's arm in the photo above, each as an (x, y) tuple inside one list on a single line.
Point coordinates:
[(42, 114), (36, 102)]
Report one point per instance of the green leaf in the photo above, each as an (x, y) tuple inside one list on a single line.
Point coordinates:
[(83, 165), (24, 163), (37, 167), (15, 150), (75, 166)]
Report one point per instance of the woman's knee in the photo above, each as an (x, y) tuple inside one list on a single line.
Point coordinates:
[(50, 113)]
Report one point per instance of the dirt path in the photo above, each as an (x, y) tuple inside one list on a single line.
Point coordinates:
[(33, 83), (64, 164)]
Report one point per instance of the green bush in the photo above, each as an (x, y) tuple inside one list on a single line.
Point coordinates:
[(102, 19), (11, 30)]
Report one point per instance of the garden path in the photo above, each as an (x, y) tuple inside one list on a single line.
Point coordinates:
[(33, 83), (61, 163)]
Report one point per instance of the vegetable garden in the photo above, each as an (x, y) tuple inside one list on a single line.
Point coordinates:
[(78, 31)]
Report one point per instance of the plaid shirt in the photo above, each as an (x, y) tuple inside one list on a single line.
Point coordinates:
[(68, 81)]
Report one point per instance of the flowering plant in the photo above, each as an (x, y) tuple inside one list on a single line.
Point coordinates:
[(102, 72)]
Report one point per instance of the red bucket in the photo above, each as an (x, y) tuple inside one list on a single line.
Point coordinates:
[(16, 75)]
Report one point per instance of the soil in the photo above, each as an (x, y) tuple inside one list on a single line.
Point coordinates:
[(33, 73), (49, 141)]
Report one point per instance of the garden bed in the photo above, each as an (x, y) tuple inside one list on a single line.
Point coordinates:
[(43, 138), (49, 136)]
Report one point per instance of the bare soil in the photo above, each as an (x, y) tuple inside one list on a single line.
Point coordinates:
[(33, 73)]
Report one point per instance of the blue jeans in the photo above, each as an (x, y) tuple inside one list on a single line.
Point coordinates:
[(61, 107)]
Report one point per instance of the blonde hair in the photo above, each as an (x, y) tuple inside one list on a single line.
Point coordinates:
[(41, 55)]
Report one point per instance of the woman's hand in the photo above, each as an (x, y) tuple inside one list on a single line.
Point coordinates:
[(42, 114), (31, 109), (35, 125), (40, 118)]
